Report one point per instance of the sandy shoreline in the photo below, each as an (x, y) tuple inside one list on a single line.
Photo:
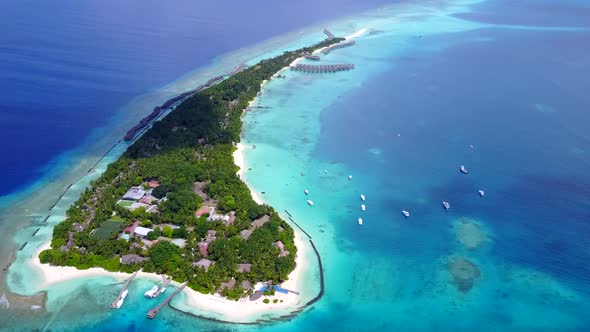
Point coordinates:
[(202, 304)]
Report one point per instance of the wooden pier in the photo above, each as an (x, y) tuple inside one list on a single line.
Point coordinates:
[(165, 282), (329, 35), (311, 56), (153, 312), (114, 304), (322, 68), (336, 46)]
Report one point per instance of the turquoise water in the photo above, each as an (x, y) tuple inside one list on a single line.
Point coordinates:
[(430, 80)]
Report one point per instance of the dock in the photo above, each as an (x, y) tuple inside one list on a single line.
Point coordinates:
[(311, 56), (329, 35), (322, 68), (337, 46), (114, 304), (153, 312), (165, 282)]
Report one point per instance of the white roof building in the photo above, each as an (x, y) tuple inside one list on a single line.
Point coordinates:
[(142, 231), (134, 193)]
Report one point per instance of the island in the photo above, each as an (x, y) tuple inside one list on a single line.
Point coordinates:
[(173, 203)]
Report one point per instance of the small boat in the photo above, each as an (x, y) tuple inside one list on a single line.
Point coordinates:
[(446, 205), (306, 192), (363, 207), (121, 300), (482, 193), (406, 213), (326, 171), (463, 169), (360, 221), (152, 292), (162, 290), (363, 197), (310, 202), (350, 177)]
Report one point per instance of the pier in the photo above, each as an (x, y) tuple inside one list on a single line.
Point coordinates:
[(153, 312), (329, 34), (322, 68), (311, 56), (165, 282), (114, 304), (337, 46)]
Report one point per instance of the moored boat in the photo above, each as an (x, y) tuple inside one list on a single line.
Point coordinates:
[(363, 207), (360, 221), (363, 197), (306, 192), (152, 292), (446, 205), (463, 169), (406, 213), (350, 177), (482, 193), (310, 202), (121, 300)]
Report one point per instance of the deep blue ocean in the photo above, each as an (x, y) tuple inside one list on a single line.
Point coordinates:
[(67, 67), (501, 88)]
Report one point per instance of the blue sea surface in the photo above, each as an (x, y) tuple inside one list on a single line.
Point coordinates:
[(68, 67), (496, 86)]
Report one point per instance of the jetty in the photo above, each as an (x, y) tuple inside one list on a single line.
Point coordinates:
[(322, 68), (311, 56), (165, 282), (236, 69), (114, 304), (337, 46), (329, 34), (153, 312)]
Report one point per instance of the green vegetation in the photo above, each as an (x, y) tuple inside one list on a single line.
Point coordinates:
[(267, 301), (191, 146), (275, 301)]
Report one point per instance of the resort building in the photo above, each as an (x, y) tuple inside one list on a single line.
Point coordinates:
[(153, 184), (245, 234), (132, 259), (260, 222), (244, 268), (281, 247), (204, 263), (203, 210), (141, 231), (134, 193), (203, 248)]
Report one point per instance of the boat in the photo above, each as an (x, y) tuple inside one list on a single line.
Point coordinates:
[(363, 207), (310, 202), (350, 177), (121, 300), (152, 292), (463, 169), (482, 193), (306, 192), (162, 290), (363, 197), (406, 213), (360, 221), (326, 171), (446, 205)]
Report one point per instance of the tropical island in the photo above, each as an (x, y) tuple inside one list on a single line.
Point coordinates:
[(173, 204)]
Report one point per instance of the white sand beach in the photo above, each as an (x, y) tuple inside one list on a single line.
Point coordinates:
[(211, 305)]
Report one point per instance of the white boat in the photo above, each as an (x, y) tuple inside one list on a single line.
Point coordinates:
[(406, 213), (363, 207), (350, 177), (446, 205), (463, 169), (482, 193), (363, 197), (310, 202), (326, 171), (121, 300), (152, 292), (306, 192), (162, 290), (360, 221)]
